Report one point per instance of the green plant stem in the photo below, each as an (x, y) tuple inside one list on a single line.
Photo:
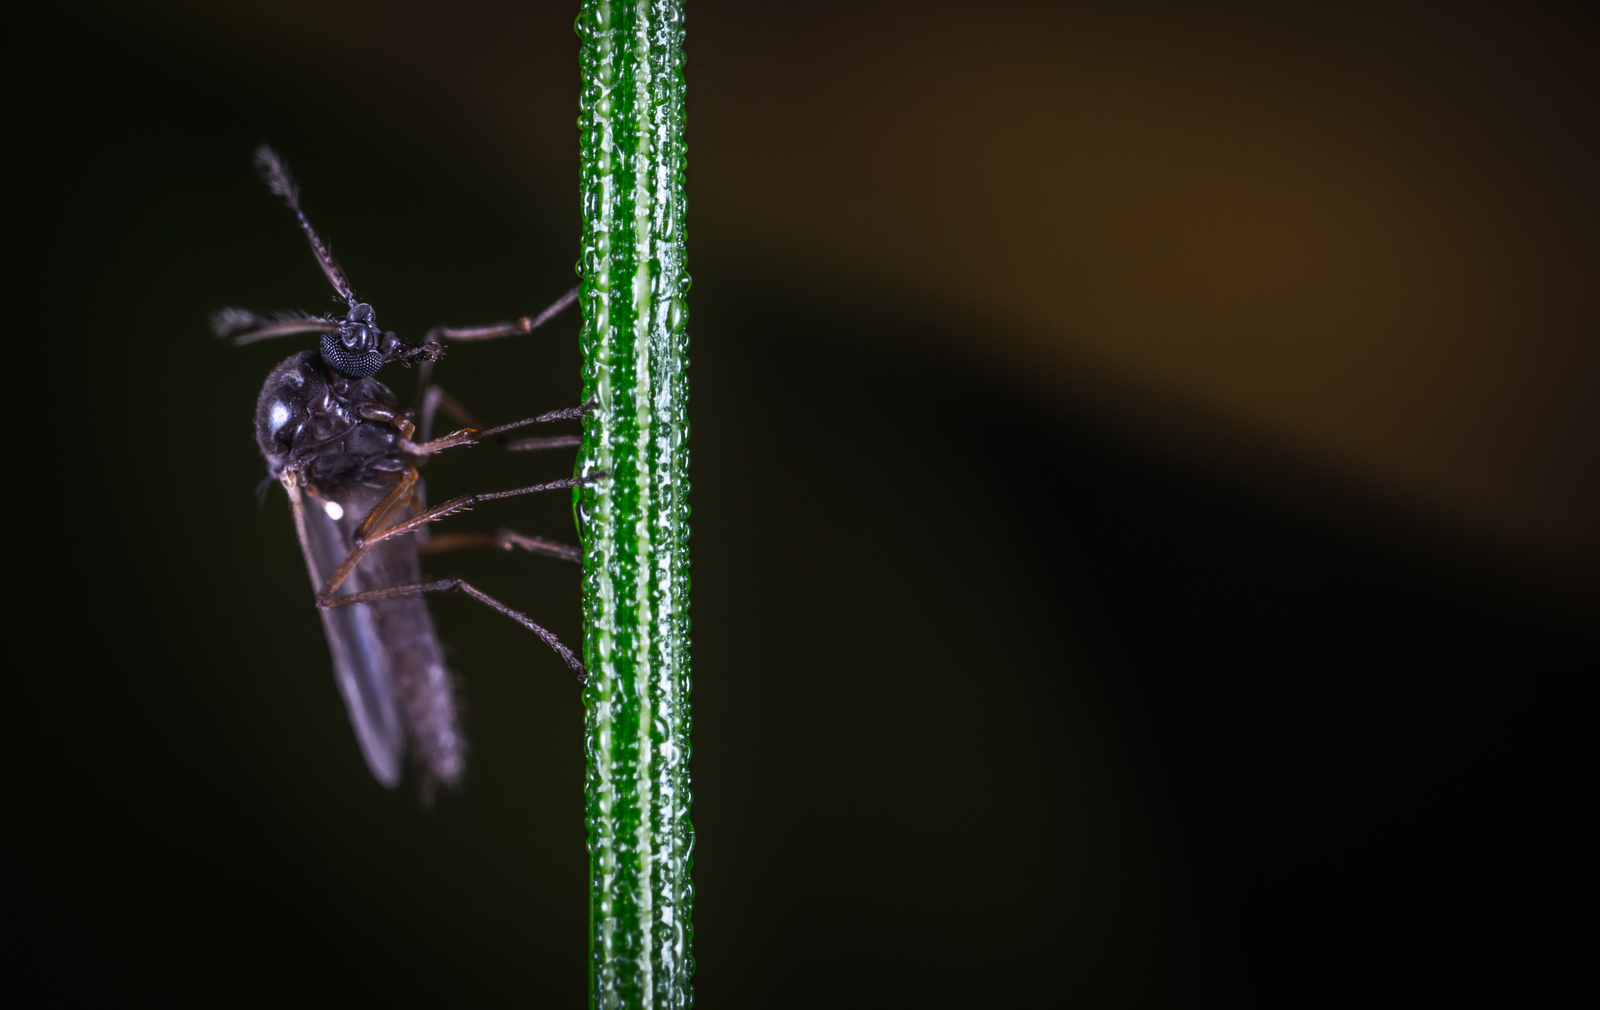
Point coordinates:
[(634, 520)]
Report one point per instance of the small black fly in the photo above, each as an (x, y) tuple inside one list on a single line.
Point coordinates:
[(347, 453)]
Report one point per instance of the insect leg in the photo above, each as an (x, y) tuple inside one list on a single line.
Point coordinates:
[(325, 597), (464, 436), (564, 414), (392, 503), (536, 444), (515, 327), (505, 540), (436, 399), (461, 585), (468, 436), (433, 400)]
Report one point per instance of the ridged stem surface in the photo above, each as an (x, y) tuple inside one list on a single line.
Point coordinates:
[(634, 521)]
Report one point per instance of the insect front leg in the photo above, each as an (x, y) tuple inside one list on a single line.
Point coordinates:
[(431, 399), (511, 328)]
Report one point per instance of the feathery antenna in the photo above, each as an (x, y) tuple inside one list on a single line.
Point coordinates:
[(276, 173), (241, 326)]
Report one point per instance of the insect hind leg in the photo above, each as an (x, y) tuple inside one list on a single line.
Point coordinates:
[(457, 584), (503, 538), (325, 597)]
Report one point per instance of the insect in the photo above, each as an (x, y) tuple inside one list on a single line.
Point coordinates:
[(347, 453)]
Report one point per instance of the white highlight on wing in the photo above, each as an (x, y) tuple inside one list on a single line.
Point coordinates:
[(334, 509)]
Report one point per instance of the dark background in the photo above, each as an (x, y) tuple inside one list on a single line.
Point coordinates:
[(1000, 694)]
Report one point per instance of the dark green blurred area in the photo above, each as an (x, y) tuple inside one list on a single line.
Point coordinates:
[(991, 703)]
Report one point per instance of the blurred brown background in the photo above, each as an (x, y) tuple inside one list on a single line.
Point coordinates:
[(1145, 468), (1352, 243)]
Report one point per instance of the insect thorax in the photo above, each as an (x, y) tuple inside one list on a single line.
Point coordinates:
[(307, 419)]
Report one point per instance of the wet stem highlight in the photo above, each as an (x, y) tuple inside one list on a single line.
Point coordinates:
[(634, 520)]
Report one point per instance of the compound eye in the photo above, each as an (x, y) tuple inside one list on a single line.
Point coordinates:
[(347, 355)]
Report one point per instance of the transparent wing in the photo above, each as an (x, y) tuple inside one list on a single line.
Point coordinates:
[(363, 666), (387, 659)]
